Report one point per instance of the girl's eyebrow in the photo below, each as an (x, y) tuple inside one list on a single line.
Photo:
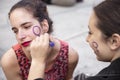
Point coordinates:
[(88, 26), (24, 23), (21, 25), (13, 28)]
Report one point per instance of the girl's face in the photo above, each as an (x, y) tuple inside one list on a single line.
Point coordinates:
[(97, 42), (25, 26)]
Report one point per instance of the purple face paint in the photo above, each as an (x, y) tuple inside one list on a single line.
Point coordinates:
[(95, 46), (37, 32)]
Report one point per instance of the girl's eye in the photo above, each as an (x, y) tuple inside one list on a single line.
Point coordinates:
[(15, 31), (27, 27), (89, 33)]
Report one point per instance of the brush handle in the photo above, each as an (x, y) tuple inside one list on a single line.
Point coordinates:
[(51, 44)]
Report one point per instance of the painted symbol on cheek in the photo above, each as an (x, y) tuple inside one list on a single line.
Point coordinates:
[(36, 30), (95, 45)]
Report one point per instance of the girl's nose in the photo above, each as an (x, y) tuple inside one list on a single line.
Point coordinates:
[(21, 35), (87, 38)]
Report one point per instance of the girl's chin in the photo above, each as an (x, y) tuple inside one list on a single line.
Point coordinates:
[(26, 48), (99, 59)]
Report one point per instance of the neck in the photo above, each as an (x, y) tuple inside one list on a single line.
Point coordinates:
[(27, 53), (116, 56)]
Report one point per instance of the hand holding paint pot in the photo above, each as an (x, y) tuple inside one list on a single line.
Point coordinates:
[(37, 32)]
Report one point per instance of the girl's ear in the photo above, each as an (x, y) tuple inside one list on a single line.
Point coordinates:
[(115, 41), (45, 26)]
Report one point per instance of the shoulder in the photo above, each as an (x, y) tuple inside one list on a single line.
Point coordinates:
[(9, 59), (73, 55), (10, 65), (72, 62)]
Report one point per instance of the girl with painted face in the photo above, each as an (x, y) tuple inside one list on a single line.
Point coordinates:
[(32, 27), (104, 39)]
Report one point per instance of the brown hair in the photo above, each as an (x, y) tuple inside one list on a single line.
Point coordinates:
[(108, 14), (37, 8)]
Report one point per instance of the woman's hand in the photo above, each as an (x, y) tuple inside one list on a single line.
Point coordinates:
[(40, 48)]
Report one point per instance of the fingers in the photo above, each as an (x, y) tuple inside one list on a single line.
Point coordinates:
[(46, 39), (40, 47), (42, 41)]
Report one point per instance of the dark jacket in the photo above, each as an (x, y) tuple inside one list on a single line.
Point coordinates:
[(112, 72)]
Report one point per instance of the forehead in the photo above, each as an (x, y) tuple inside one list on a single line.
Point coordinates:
[(20, 12), (93, 21), (19, 16)]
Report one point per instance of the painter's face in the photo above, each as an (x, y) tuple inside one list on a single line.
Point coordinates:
[(25, 26), (97, 42)]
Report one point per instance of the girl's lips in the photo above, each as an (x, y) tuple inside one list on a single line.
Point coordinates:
[(25, 44)]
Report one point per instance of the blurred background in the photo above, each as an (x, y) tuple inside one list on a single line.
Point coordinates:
[(70, 24)]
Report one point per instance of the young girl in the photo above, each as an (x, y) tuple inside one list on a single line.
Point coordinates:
[(31, 24)]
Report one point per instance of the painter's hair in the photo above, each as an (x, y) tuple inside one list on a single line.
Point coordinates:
[(37, 8), (108, 14)]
